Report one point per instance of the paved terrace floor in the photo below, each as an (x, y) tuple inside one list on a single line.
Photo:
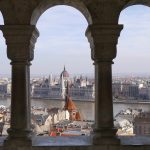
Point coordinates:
[(83, 143)]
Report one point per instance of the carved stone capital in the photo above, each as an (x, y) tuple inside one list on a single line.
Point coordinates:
[(103, 40), (20, 41)]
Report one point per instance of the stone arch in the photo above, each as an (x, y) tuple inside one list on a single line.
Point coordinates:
[(3, 56), (56, 29), (136, 2), (44, 5), (1, 18), (133, 30), (128, 3)]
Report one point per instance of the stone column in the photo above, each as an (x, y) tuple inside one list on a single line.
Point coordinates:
[(103, 40), (20, 40)]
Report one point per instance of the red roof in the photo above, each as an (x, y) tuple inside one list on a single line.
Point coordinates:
[(53, 134), (78, 116), (70, 105)]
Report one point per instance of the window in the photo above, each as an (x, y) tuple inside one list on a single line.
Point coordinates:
[(130, 72), (5, 85), (62, 42)]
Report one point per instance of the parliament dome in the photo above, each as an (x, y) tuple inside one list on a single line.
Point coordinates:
[(64, 73)]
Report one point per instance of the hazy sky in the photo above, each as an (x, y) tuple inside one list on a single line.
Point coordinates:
[(134, 43), (62, 42)]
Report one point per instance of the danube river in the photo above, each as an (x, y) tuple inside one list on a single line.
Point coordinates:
[(86, 108)]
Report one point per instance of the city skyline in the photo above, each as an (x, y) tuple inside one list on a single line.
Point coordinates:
[(62, 42)]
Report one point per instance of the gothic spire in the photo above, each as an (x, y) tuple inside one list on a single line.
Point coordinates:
[(64, 68)]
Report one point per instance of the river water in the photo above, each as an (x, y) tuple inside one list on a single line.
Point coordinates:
[(86, 108)]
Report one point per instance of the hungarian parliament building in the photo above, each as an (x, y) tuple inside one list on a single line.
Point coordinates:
[(79, 88)]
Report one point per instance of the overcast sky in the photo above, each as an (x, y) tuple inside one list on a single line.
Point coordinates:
[(62, 42)]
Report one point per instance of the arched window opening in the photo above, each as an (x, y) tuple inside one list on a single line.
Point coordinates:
[(131, 74), (5, 85), (62, 80), (44, 5)]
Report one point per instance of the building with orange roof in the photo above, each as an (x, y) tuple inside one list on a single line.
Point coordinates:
[(71, 107), (78, 116)]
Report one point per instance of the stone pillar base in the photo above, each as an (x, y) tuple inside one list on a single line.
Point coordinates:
[(105, 140), (11, 143), (105, 137)]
